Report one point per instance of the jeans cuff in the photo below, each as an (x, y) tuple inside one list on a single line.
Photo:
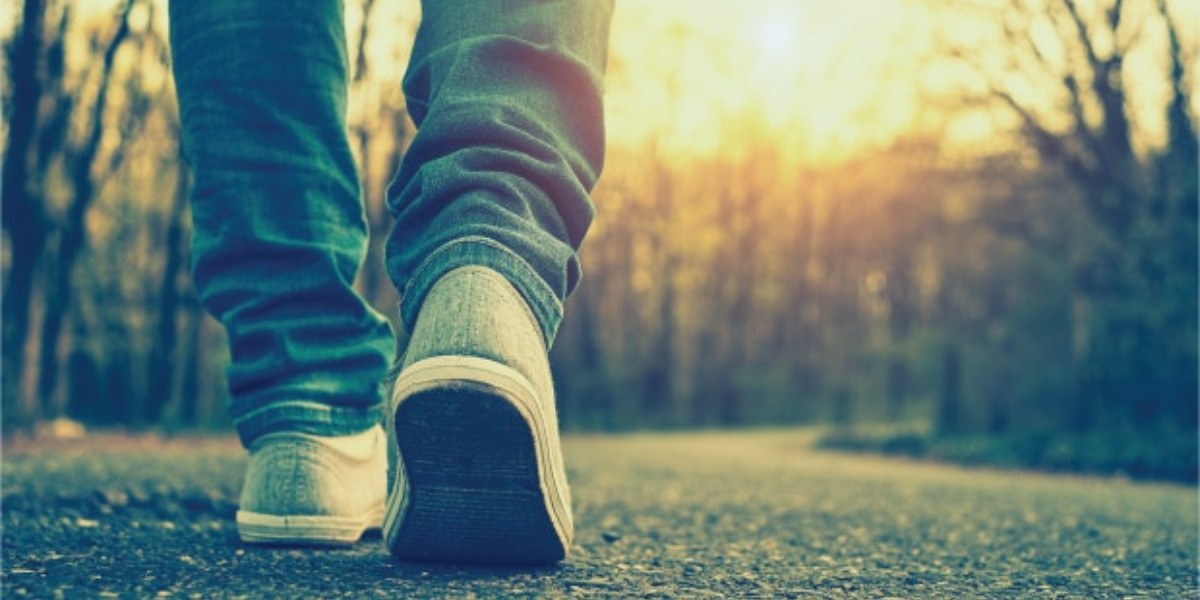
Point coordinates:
[(477, 251), (301, 416)]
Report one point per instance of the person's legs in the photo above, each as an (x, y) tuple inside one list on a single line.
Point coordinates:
[(279, 235), (492, 202), (507, 98)]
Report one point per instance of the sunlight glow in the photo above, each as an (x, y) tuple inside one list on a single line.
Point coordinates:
[(775, 38), (823, 80), (818, 77)]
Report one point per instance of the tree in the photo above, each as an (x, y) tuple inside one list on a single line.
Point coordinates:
[(1134, 263), (24, 217), (71, 234)]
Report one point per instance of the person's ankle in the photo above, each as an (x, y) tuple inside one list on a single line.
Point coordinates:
[(359, 446), (476, 311)]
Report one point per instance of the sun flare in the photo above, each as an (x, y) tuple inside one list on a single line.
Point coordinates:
[(807, 73), (776, 38)]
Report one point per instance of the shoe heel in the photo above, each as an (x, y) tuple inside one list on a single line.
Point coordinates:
[(475, 492)]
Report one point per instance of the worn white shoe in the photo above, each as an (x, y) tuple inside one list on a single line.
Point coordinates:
[(309, 490), (480, 478)]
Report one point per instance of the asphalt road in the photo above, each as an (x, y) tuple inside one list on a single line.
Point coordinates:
[(704, 515)]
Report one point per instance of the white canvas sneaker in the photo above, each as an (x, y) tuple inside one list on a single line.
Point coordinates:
[(480, 478), (308, 490)]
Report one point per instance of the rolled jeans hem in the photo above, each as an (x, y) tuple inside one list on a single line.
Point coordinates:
[(314, 417), (483, 252)]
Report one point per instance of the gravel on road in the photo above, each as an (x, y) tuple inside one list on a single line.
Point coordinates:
[(755, 514)]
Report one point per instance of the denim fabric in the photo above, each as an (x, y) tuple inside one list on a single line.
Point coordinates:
[(279, 231), (507, 98), (506, 94)]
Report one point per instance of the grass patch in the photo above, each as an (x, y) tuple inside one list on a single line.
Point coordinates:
[(1165, 454)]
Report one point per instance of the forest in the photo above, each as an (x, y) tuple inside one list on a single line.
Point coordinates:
[(1008, 276)]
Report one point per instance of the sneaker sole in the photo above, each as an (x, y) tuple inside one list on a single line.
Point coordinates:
[(258, 528), (477, 480)]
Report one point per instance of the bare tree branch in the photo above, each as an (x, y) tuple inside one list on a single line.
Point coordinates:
[(1083, 35)]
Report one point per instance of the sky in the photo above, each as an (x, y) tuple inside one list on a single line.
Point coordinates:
[(829, 75), (825, 78)]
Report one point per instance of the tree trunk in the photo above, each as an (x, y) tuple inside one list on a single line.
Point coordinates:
[(187, 368), (949, 418), (658, 393), (24, 220), (1000, 392), (800, 332), (659, 360), (897, 386), (162, 354), (72, 235), (901, 306), (597, 397)]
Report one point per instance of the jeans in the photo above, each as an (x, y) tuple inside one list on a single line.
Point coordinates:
[(507, 98)]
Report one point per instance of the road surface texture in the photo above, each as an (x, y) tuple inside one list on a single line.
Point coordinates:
[(697, 515)]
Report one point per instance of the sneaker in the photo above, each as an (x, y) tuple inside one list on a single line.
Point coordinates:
[(480, 477), (308, 490)]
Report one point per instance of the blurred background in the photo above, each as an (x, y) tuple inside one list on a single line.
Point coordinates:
[(965, 230)]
